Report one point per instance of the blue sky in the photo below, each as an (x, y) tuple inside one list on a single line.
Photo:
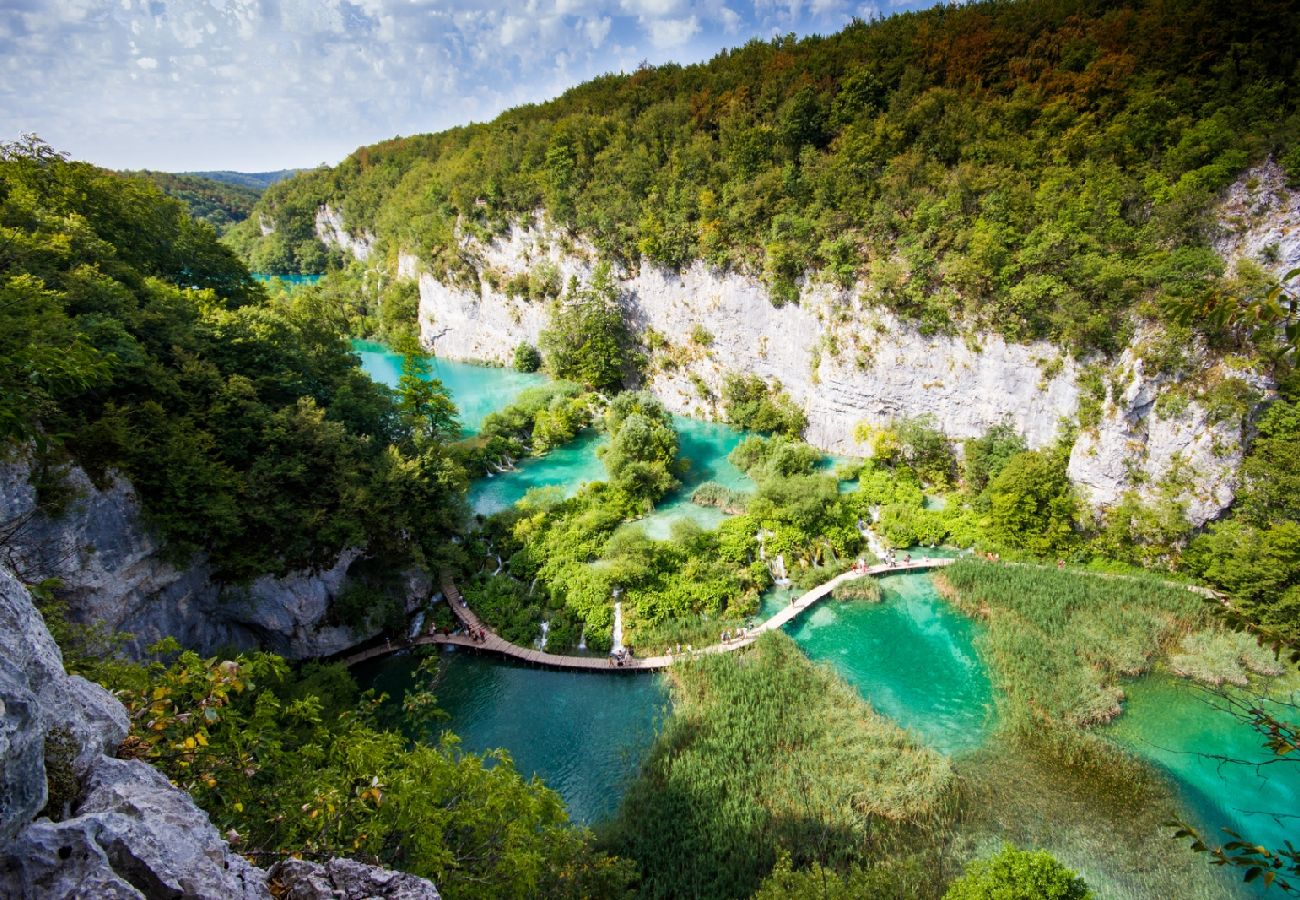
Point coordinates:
[(267, 84)]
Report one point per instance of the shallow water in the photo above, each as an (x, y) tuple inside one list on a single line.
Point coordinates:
[(476, 390), (704, 446), (583, 734), (910, 656), (1179, 727), (294, 280)]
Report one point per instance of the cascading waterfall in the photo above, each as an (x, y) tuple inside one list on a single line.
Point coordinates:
[(617, 643), (540, 643)]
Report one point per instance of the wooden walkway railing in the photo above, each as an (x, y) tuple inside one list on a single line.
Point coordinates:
[(496, 644)]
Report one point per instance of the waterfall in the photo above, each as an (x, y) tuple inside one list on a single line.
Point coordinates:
[(417, 625), (778, 566), (617, 644), (540, 643)]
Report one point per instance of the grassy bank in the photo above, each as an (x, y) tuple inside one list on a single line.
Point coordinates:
[(765, 754)]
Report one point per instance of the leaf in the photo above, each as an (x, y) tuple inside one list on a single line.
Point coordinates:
[(1252, 873)]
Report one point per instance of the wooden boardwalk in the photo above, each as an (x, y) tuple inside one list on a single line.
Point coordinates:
[(496, 644)]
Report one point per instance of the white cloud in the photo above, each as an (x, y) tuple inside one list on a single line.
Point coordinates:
[(670, 33), (596, 30), (259, 84)]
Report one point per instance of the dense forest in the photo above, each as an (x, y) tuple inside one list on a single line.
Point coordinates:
[(136, 342), (220, 204), (1044, 169)]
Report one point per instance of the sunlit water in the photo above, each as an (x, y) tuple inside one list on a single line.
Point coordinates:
[(291, 280), (1182, 728), (476, 390), (910, 655)]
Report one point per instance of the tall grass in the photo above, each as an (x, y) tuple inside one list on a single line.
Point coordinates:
[(767, 753), (1059, 641)]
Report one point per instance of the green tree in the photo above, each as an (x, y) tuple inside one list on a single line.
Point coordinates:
[(587, 340), (1032, 504), (526, 358), (423, 403), (641, 455), (1012, 874)]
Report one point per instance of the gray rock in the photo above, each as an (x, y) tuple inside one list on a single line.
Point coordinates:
[(112, 572), (344, 879), (132, 834)]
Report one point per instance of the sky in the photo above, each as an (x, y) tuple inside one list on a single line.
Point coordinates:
[(259, 85)]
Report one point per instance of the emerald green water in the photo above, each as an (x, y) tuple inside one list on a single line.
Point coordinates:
[(1180, 727), (584, 735), (476, 390), (911, 656)]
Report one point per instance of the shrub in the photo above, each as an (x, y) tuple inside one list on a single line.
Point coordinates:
[(1012, 874), (527, 358)]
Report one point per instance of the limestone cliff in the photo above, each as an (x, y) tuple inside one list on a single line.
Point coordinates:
[(848, 361), (128, 833), (112, 570)]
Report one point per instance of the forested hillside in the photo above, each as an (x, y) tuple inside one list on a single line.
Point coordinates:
[(134, 341), (1042, 168), (220, 204)]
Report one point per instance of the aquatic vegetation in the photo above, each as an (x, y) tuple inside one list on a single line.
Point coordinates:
[(865, 588), (1060, 640), (724, 498), (1216, 656), (767, 753)]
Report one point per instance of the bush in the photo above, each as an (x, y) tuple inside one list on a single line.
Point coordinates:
[(865, 588), (748, 401), (1012, 874), (527, 358)]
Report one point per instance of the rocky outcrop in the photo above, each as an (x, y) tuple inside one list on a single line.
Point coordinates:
[(1260, 221), (332, 232), (127, 832), (343, 878), (112, 571)]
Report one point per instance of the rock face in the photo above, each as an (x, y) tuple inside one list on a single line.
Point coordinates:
[(846, 362), (332, 233), (129, 832), (112, 571), (1260, 220)]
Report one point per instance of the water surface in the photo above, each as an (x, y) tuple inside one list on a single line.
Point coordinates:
[(1181, 728), (583, 734), (475, 389)]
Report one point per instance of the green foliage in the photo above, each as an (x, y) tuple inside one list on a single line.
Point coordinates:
[(293, 772), (985, 457), (1059, 641), (1024, 167), (913, 442), (824, 779), (133, 341), (587, 340), (777, 457), (506, 606), (527, 358), (1012, 874), (751, 403), (903, 876), (1032, 504), (641, 456), (1255, 555), (219, 203)]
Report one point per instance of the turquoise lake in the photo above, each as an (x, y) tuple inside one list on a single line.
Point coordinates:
[(911, 656), (294, 280)]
